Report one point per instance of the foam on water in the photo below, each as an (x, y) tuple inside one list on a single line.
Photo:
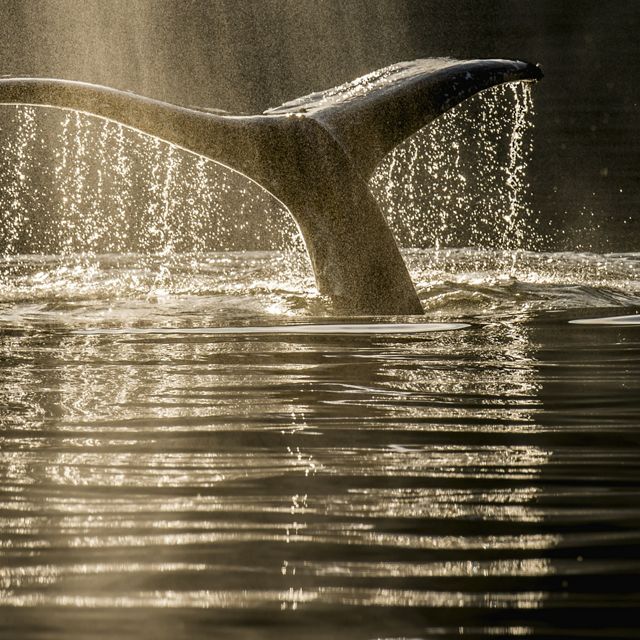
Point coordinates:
[(331, 329), (227, 288), (611, 321)]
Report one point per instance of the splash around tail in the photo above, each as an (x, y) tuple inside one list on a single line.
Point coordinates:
[(315, 154)]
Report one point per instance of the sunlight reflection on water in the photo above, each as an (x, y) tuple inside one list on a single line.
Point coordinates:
[(241, 462)]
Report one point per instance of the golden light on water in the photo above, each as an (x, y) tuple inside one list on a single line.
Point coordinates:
[(121, 398)]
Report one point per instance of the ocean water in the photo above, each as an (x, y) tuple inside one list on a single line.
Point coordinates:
[(221, 457)]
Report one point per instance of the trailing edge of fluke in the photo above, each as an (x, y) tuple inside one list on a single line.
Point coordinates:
[(315, 154)]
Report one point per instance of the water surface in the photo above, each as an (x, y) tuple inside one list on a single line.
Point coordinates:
[(198, 449)]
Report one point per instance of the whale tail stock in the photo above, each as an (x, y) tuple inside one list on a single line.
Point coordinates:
[(315, 154)]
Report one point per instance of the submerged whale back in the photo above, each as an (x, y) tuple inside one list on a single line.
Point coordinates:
[(314, 154)]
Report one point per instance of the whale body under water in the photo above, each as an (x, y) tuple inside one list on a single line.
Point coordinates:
[(315, 154)]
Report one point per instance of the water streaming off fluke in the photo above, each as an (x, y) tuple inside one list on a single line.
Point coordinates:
[(462, 181), (73, 183)]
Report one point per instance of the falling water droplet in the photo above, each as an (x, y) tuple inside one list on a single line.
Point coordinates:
[(461, 181), (16, 171)]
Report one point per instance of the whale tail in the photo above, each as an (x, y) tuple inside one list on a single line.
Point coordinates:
[(315, 154)]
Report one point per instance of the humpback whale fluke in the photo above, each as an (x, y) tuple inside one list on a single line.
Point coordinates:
[(314, 154)]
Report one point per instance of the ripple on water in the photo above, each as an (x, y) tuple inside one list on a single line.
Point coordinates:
[(252, 472)]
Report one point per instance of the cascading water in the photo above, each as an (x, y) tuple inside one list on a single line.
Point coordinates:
[(462, 181), (110, 189), (17, 191), (94, 210), (516, 183)]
